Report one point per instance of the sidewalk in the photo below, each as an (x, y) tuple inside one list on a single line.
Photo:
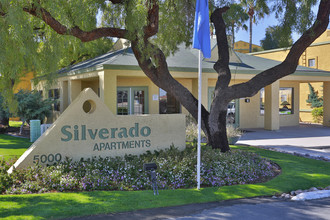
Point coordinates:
[(310, 139)]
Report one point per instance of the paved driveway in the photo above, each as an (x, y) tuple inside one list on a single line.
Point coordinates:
[(304, 139)]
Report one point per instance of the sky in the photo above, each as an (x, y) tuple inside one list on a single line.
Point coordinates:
[(259, 29)]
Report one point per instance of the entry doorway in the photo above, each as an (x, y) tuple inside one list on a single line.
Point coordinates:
[(132, 100)]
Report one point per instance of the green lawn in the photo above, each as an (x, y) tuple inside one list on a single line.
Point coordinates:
[(297, 173), (11, 147)]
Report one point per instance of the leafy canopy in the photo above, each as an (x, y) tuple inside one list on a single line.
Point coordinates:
[(27, 43), (276, 37)]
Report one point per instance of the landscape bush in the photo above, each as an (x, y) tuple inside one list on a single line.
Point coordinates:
[(176, 169), (317, 114)]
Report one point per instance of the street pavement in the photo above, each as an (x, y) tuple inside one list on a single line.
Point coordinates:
[(310, 139), (264, 209), (313, 140), (240, 209)]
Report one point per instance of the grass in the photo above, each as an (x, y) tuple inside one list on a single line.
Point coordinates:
[(297, 173), (11, 147)]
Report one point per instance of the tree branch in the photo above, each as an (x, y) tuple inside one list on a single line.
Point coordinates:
[(222, 65), (289, 65), (84, 36), (153, 18)]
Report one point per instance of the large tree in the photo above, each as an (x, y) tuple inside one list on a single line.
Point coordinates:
[(276, 37), (155, 28)]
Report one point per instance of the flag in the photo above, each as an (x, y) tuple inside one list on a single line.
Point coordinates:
[(201, 38)]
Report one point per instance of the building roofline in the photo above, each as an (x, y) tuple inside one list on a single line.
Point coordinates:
[(287, 48)]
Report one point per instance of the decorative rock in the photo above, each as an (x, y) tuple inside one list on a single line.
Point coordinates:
[(293, 193), (313, 189), (327, 188), (287, 196), (274, 197), (297, 192)]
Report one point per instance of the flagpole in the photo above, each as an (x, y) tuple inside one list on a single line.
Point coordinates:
[(199, 119), (201, 41)]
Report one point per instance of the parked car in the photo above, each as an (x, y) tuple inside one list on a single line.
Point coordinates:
[(231, 113)]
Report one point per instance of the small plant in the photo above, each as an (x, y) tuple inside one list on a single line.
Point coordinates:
[(191, 129), (318, 114), (233, 132)]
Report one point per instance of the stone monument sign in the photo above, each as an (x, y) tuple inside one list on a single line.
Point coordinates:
[(88, 128)]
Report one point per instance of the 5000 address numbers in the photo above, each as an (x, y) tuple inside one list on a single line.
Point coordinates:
[(50, 158)]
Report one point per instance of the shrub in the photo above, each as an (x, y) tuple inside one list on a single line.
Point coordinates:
[(318, 114), (176, 169), (233, 132)]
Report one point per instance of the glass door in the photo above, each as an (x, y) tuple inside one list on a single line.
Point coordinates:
[(132, 100), (123, 102)]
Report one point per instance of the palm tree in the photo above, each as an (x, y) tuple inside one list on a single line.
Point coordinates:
[(235, 19), (256, 9)]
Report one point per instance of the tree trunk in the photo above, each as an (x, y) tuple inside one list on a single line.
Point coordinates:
[(218, 132), (21, 128), (250, 44), (233, 33), (4, 121)]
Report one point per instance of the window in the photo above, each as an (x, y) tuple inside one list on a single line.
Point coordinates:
[(54, 94), (168, 104), (262, 101), (132, 100), (285, 101), (311, 62)]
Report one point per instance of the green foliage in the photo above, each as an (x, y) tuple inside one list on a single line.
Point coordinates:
[(32, 105), (28, 44), (235, 18), (313, 98), (296, 16), (317, 114), (276, 37), (305, 173), (256, 9), (176, 169), (4, 113)]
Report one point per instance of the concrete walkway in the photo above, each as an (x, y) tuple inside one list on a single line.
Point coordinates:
[(310, 139)]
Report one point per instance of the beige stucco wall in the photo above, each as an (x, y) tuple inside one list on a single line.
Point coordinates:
[(243, 47), (107, 81), (319, 51), (96, 132), (324, 37), (250, 116)]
